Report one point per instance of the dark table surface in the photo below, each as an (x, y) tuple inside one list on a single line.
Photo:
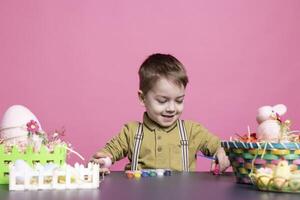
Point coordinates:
[(193, 185)]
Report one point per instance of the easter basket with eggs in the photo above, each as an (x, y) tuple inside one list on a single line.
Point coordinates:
[(21, 137), (284, 177), (258, 158)]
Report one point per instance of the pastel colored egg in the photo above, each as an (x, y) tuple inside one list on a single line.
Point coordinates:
[(145, 174), (137, 174), (160, 172), (14, 121), (129, 174), (152, 173), (107, 162)]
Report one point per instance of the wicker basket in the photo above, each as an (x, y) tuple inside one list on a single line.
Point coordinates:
[(246, 157), (58, 156), (277, 183)]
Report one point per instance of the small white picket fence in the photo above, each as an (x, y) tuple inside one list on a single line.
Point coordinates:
[(61, 179)]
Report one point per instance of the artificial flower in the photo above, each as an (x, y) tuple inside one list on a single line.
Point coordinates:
[(32, 126)]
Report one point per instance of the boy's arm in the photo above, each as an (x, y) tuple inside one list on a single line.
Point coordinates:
[(117, 148), (210, 145), (222, 160), (205, 141)]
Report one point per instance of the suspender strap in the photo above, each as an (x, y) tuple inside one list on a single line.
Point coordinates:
[(137, 145), (183, 141), (184, 146)]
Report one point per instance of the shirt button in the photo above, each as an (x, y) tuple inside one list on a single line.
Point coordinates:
[(159, 149), (159, 137)]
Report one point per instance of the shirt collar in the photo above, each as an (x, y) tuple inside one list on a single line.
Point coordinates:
[(152, 125)]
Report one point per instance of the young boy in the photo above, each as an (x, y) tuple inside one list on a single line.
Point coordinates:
[(162, 140)]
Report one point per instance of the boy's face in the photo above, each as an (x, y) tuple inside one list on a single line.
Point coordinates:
[(164, 102)]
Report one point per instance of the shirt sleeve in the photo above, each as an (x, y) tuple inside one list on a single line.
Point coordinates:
[(205, 141), (118, 146)]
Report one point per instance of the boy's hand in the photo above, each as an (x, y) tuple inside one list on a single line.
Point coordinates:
[(222, 161), (104, 160)]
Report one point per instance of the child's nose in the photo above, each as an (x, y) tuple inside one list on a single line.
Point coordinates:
[(171, 106)]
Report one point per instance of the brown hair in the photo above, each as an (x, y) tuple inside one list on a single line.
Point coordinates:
[(157, 66)]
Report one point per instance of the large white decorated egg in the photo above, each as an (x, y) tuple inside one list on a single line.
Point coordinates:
[(13, 127)]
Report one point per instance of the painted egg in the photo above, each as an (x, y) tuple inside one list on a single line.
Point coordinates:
[(160, 172), (129, 174), (137, 174), (107, 162), (14, 121)]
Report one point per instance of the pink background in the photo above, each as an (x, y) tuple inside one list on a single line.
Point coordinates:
[(74, 63)]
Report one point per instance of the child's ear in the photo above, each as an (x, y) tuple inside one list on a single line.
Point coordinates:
[(141, 97)]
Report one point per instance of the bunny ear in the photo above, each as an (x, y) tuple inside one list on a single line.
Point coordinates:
[(280, 109)]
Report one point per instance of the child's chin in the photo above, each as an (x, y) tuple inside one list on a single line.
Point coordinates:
[(167, 124)]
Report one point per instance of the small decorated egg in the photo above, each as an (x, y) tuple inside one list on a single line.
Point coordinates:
[(137, 174), (145, 173), (129, 174), (160, 172), (107, 162), (152, 173)]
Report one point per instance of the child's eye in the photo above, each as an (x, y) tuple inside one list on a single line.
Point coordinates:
[(179, 101), (161, 100)]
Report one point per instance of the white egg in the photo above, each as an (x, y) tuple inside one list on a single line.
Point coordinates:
[(107, 162), (160, 172), (13, 124)]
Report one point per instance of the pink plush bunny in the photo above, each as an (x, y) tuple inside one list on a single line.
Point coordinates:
[(269, 121)]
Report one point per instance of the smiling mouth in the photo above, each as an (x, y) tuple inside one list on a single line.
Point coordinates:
[(168, 116)]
